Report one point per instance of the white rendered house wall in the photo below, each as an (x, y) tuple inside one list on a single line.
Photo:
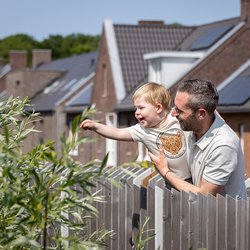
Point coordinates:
[(168, 67)]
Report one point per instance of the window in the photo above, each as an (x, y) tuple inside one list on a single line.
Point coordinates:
[(241, 135), (111, 145)]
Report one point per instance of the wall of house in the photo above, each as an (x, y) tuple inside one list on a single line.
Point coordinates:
[(103, 94), (45, 124), (127, 151), (225, 60), (2, 83), (21, 83), (235, 121)]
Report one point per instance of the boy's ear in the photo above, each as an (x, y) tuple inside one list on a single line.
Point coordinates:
[(159, 108)]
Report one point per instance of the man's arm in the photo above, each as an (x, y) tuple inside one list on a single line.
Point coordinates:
[(110, 132), (162, 165)]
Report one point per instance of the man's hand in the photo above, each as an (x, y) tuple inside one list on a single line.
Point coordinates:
[(160, 161), (161, 164)]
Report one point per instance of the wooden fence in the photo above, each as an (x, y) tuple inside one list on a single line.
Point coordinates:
[(179, 220)]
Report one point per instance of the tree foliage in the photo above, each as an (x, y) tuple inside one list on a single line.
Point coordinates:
[(61, 46), (42, 193)]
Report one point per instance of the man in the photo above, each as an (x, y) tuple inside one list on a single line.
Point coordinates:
[(215, 156)]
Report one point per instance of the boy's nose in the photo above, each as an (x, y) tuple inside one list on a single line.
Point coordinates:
[(173, 112)]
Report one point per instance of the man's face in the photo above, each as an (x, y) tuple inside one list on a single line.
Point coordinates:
[(187, 117)]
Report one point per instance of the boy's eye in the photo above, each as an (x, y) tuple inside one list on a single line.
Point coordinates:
[(140, 107)]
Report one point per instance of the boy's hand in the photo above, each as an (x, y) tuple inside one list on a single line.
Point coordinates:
[(87, 125)]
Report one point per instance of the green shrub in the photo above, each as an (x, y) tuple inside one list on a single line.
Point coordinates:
[(42, 192)]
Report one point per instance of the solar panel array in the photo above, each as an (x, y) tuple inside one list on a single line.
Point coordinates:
[(237, 92), (211, 36)]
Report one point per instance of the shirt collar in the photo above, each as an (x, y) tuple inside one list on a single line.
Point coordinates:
[(209, 135)]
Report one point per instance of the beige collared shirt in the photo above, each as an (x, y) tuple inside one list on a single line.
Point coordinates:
[(217, 157)]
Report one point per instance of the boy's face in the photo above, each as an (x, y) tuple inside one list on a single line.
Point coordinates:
[(148, 115)]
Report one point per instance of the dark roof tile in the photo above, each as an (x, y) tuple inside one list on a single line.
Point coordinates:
[(134, 41)]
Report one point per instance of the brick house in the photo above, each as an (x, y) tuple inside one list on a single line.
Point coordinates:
[(130, 55), (59, 90)]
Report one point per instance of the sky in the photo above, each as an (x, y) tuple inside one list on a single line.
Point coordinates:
[(41, 18)]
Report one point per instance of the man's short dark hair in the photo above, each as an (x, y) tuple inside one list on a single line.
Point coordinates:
[(203, 94)]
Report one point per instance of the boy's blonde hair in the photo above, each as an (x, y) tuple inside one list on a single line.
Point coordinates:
[(154, 93)]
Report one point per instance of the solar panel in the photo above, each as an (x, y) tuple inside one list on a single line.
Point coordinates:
[(236, 92), (208, 38), (83, 98)]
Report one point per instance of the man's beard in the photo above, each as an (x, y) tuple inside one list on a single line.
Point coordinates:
[(191, 124), (186, 126)]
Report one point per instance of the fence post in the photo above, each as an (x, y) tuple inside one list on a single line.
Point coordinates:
[(184, 220), (175, 207), (139, 206), (211, 222), (159, 189), (129, 208)]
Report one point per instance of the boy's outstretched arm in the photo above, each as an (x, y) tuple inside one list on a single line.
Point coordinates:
[(110, 132)]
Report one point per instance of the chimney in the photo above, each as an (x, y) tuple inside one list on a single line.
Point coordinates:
[(150, 23), (245, 10), (18, 59), (40, 56)]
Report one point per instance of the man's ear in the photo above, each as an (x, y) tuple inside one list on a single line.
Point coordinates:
[(201, 113)]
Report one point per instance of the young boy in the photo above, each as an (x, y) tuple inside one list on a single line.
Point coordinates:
[(155, 126)]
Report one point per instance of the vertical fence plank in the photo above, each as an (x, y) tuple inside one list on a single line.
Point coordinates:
[(122, 205), (167, 218), (138, 206), (175, 200), (160, 185), (93, 220), (101, 205), (193, 212), (230, 223), (145, 211), (220, 222), (107, 211), (115, 211), (240, 224), (211, 222), (129, 208), (184, 220), (248, 224), (202, 230), (151, 211)]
